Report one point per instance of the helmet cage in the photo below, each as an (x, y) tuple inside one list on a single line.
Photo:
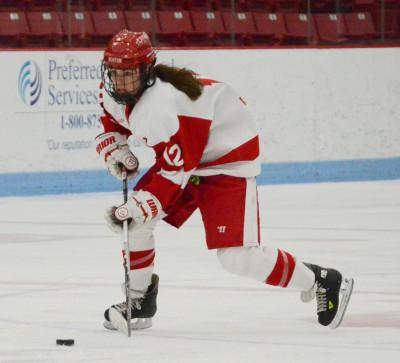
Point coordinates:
[(110, 86)]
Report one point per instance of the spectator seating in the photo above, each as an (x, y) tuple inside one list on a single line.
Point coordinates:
[(390, 23), (177, 5), (17, 5), (208, 5), (240, 24), (146, 21), (299, 29), (289, 6), (199, 22), (45, 29), (110, 4), (226, 5), (208, 28), (359, 26), (13, 29), (141, 4), (106, 24), (173, 27), (44, 5), (270, 27), (79, 25), (265, 6), (79, 5), (345, 6), (331, 28), (322, 6)]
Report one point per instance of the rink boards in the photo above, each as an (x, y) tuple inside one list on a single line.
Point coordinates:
[(324, 114)]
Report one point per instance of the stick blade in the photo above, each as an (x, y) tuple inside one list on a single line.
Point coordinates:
[(118, 321)]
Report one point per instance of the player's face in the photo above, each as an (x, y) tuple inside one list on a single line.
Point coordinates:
[(126, 81)]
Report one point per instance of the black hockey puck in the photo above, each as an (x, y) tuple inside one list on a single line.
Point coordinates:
[(68, 342)]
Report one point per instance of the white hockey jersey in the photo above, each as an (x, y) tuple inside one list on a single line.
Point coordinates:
[(212, 135)]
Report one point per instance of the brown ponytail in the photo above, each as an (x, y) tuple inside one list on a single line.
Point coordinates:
[(181, 78)]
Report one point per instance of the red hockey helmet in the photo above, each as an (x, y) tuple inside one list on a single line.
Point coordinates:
[(128, 49)]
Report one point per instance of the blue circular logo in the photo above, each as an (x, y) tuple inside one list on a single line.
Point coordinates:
[(30, 83)]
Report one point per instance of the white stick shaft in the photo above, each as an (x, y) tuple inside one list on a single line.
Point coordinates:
[(127, 258)]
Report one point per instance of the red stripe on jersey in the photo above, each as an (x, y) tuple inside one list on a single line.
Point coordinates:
[(141, 259), (181, 153), (165, 190), (283, 270), (112, 126), (207, 81), (248, 151), (108, 121), (192, 137), (128, 111)]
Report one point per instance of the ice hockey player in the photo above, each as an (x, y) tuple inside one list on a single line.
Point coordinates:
[(207, 157)]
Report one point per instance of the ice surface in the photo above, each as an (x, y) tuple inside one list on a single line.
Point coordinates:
[(60, 267)]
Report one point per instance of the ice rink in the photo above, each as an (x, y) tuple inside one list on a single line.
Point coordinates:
[(60, 267)]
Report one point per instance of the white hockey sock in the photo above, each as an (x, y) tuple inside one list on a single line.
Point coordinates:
[(303, 278), (268, 264), (142, 255)]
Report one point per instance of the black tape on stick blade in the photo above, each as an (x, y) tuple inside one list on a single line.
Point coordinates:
[(68, 342)]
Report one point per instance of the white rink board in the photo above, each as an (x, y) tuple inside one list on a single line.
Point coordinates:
[(311, 104)]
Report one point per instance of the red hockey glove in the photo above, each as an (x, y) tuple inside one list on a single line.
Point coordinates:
[(141, 207), (114, 150)]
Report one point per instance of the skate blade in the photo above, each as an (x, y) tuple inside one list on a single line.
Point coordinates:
[(346, 290), (136, 324)]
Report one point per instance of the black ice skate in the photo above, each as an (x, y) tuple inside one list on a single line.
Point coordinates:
[(332, 295), (142, 310)]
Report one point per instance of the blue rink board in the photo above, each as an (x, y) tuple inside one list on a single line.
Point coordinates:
[(41, 183)]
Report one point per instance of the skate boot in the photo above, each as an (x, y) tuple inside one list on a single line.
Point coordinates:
[(142, 310), (332, 295)]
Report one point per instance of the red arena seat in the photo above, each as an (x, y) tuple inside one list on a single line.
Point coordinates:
[(359, 26), (142, 21), (173, 26), (208, 27), (300, 29), (240, 24), (331, 27), (106, 25), (46, 29), (77, 27), (270, 27), (13, 29)]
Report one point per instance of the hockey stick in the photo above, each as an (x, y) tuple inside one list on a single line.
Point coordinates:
[(127, 257)]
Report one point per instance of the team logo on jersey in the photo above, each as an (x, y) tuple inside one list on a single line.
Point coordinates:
[(29, 83)]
